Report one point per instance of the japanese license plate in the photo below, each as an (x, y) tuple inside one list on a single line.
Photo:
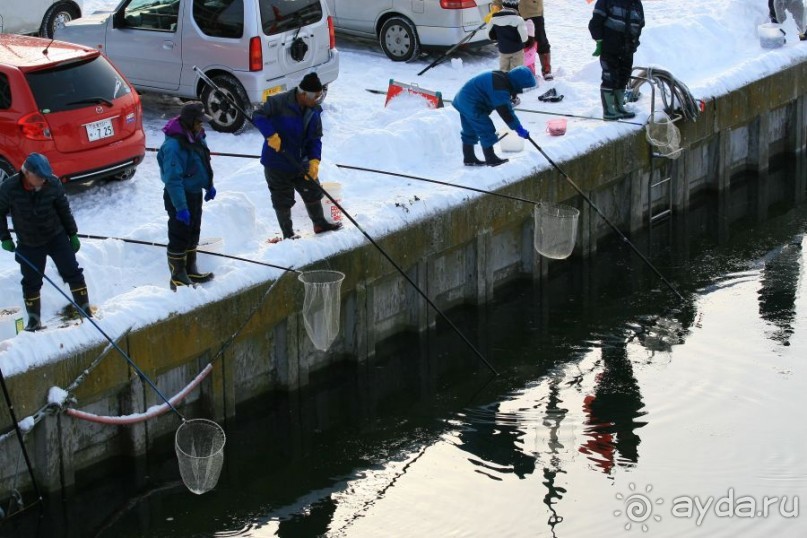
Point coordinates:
[(99, 129)]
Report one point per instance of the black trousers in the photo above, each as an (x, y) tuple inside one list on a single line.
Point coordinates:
[(60, 251), (182, 237), (540, 34), (283, 184), (616, 69)]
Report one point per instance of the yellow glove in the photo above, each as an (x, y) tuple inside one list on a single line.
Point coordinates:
[(274, 142), (313, 169), (493, 9)]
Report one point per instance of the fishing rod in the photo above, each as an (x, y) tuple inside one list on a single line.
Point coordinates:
[(444, 56), (447, 184), (607, 220), (221, 154), (473, 348), (87, 316), (531, 111)]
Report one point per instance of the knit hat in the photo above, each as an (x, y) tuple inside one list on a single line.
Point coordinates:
[(38, 164), (512, 4), (193, 112), (311, 83)]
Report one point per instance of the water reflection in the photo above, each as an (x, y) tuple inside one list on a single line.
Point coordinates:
[(777, 295)]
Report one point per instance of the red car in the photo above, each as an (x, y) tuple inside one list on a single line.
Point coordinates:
[(70, 104)]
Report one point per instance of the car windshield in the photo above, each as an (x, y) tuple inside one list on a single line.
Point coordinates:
[(281, 15), (77, 85)]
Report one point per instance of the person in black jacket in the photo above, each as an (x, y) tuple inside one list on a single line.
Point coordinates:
[(45, 227), (509, 31), (616, 26)]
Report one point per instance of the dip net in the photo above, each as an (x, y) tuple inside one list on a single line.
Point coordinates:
[(555, 229), (199, 445), (663, 135), (321, 306)]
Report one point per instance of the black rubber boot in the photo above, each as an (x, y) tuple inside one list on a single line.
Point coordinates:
[(469, 157), (317, 215), (491, 159), (81, 298), (193, 272), (179, 277), (33, 306), (609, 110), (619, 101), (284, 219)]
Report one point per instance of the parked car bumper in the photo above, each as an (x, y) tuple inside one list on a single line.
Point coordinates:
[(106, 161), (437, 37)]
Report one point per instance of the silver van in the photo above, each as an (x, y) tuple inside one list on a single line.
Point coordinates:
[(36, 16), (250, 48), (404, 27)]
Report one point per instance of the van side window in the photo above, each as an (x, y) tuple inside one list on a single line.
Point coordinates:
[(279, 16), (5, 92), (219, 18), (161, 15)]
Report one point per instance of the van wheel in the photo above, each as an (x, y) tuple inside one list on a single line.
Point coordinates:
[(57, 16), (6, 170), (226, 118), (398, 39)]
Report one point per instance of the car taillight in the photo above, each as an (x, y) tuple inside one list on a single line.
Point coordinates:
[(34, 127), (331, 33), (457, 4), (255, 54)]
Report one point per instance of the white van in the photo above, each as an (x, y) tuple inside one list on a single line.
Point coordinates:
[(250, 48), (40, 17)]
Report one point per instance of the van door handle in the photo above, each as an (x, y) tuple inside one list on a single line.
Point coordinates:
[(168, 45)]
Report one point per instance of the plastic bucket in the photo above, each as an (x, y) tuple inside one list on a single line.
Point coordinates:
[(11, 322), (335, 190), (512, 143), (770, 35), (556, 127)]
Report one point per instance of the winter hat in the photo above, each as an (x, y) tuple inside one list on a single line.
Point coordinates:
[(38, 164), (520, 78), (311, 83), (193, 112), (512, 4), (530, 27)]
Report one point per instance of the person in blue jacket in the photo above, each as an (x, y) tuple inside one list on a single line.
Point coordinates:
[(185, 169), (616, 26), (476, 101), (291, 123)]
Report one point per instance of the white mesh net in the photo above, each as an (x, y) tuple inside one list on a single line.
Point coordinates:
[(321, 306), (199, 444), (555, 230), (662, 133)]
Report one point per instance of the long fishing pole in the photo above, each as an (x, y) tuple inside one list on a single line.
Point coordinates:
[(531, 111), (447, 184), (221, 154), (356, 224), (606, 219), (86, 316), (444, 56), (20, 438)]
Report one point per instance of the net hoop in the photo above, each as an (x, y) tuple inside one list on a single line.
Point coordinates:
[(555, 229), (663, 135), (321, 306), (200, 472)]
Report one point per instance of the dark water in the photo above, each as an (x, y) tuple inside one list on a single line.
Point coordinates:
[(618, 408)]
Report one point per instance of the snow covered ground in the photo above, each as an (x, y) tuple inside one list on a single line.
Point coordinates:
[(712, 47)]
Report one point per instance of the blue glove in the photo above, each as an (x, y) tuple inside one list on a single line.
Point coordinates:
[(184, 216), (522, 132), (8, 244), (210, 194)]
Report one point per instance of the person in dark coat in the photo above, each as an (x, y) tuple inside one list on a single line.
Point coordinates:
[(478, 98), (45, 227), (509, 31), (186, 171), (616, 26), (291, 123)]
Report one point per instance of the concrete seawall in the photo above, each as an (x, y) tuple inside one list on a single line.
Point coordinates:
[(459, 256)]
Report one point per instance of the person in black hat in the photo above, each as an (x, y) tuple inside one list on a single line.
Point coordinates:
[(185, 169), (291, 123), (45, 227)]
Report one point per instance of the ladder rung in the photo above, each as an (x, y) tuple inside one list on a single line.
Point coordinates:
[(660, 182), (661, 215)]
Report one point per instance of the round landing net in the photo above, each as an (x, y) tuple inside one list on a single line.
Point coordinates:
[(199, 445), (321, 306), (663, 135), (555, 230)]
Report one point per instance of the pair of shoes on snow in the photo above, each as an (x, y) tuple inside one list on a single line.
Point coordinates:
[(550, 96)]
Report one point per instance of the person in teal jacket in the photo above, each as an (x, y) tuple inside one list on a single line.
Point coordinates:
[(476, 101), (185, 169)]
